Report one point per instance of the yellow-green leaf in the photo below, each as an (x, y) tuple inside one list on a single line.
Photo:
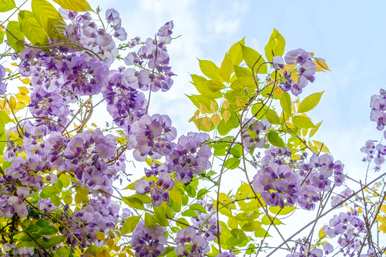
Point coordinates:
[(275, 45), (272, 116), (226, 67), (285, 103), (2, 34), (302, 121), (130, 224), (318, 147), (210, 70), (281, 210), (78, 5), (261, 232), (310, 102), (49, 18), (275, 139), (81, 195), (315, 129), (235, 52), (7, 5), (62, 252), (15, 37), (32, 28), (254, 60), (65, 179), (232, 163)]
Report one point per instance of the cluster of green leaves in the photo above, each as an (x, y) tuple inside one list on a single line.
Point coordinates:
[(244, 81), (183, 204), (243, 88)]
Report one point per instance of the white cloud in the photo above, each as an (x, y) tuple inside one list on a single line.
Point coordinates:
[(224, 25)]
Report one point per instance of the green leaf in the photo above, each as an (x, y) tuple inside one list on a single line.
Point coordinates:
[(62, 252), (65, 179), (2, 34), (251, 226), (67, 196), (226, 126), (285, 103), (269, 220), (160, 215), (32, 28), (235, 53), (220, 147), (237, 150), (302, 121), (52, 241), (81, 195), (41, 227), (136, 201), (272, 116), (275, 139), (48, 191), (318, 147), (244, 78), (310, 102), (197, 207), (201, 193), (4, 118), (150, 220), (7, 5), (208, 88), (238, 238), (282, 211), (226, 67), (232, 163), (78, 5), (3, 138), (275, 45), (210, 70), (181, 222), (15, 37), (190, 213), (49, 18), (254, 60), (175, 196), (315, 129), (203, 103), (261, 232), (226, 205), (130, 224)]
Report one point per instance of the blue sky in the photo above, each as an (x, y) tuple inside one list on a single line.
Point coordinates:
[(348, 34)]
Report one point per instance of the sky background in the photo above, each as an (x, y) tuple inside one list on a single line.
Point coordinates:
[(349, 34)]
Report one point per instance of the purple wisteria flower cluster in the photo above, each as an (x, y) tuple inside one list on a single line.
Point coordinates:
[(99, 215), (348, 228), (3, 85), (254, 136), (148, 242), (304, 248), (191, 243), (186, 158), (375, 150), (283, 182), (378, 109), (152, 57), (301, 70)]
